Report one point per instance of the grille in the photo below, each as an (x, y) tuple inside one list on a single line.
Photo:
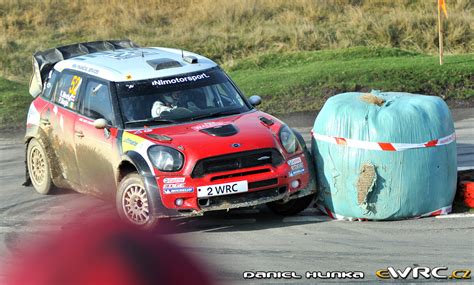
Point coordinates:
[(235, 161), (215, 202), (263, 183), (240, 174)]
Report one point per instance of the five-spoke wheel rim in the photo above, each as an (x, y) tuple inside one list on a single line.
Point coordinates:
[(37, 166), (135, 204)]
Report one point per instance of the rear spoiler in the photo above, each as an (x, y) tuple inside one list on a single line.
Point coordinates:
[(43, 61)]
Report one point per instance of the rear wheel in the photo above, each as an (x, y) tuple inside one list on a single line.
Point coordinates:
[(291, 207), (133, 203), (38, 167)]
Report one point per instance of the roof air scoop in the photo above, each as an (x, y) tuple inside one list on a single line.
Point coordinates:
[(163, 63)]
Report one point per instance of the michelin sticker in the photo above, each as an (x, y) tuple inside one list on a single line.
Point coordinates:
[(178, 190)]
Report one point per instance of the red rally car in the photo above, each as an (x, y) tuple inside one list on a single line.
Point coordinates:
[(162, 131)]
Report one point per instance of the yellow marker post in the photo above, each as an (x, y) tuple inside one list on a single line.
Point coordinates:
[(441, 5)]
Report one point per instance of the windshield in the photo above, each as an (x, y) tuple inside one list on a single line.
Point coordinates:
[(180, 98)]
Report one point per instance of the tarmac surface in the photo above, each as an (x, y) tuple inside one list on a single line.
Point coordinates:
[(230, 243)]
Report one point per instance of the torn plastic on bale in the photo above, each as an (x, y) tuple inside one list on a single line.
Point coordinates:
[(365, 184), (354, 130)]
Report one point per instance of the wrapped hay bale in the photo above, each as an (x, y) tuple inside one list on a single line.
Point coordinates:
[(385, 156)]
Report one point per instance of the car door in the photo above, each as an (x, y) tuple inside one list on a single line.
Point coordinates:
[(61, 117), (96, 148)]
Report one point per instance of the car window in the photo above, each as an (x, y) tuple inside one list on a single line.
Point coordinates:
[(185, 97), (50, 84), (96, 102), (67, 90)]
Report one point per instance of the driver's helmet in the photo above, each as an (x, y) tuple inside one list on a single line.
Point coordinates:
[(158, 108)]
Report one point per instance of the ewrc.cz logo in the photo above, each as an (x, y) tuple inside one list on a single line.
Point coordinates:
[(425, 272)]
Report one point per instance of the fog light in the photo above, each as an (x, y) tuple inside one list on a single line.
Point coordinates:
[(179, 202), (295, 184)]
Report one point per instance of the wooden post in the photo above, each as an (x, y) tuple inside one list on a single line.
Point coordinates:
[(440, 35)]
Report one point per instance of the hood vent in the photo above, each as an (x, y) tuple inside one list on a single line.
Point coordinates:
[(266, 121), (221, 131), (163, 63), (160, 137)]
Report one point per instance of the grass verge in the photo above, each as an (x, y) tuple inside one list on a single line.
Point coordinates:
[(302, 81), (14, 102)]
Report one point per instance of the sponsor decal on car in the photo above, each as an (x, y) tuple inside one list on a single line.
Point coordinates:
[(130, 141), (296, 172), (177, 80), (178, 190), (144, 131), (138, 144), (174, 185), (174, 179), (86, 69), (208, 125), (294, 161), (89, 122), (297, 166), (68, 99), (120, 55)]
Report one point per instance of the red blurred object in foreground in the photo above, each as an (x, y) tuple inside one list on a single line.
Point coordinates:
[(467, 193), (105, 253)]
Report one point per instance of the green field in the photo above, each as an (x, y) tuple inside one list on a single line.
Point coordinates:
[(14, 102), (228, 31), (302, 81)]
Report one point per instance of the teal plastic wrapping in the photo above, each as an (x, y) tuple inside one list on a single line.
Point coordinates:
[(373, 184)]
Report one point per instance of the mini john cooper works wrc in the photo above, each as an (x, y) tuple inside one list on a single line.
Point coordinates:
[(162, 131)]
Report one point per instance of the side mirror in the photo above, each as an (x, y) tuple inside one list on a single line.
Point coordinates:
[(255, 100), (100, 123)]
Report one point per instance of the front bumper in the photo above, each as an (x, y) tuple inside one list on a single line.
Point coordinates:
[(282, 175)]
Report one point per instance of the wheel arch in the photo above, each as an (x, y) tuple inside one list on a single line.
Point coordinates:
[(134, 159), (41, 136)]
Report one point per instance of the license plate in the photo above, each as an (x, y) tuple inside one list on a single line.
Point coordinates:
[(223, 189)]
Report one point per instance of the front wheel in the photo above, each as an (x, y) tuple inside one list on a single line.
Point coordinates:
[(38, 167), (291, 207), (133, 203)]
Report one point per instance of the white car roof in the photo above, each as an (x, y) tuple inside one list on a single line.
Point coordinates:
[(131, 63)]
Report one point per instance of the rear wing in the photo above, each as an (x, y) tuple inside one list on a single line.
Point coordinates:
[(43, 61)]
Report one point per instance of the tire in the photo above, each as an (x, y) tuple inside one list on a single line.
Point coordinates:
[(132, 203), (291, 207), (39, 167)]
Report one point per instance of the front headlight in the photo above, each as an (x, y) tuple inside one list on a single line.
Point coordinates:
[(288, 139), (165, 158)]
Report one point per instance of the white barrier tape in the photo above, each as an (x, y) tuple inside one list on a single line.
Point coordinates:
[(384, 146), (443, 211)]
